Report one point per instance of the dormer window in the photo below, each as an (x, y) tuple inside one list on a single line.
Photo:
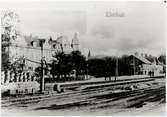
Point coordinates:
[(54, 46), (32, 43)]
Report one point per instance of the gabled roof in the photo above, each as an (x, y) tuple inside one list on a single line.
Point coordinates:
[(158, 62), (142, 59)]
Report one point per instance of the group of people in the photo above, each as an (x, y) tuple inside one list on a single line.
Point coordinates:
[(151, 73), (9, 76)]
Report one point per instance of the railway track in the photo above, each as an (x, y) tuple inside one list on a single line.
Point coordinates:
[(77, 94), (95, 100), (127, 99)]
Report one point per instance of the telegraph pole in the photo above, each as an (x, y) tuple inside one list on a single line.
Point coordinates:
[(116, 69), (87, 70), (89, 55), (42, 66), (134, 65)]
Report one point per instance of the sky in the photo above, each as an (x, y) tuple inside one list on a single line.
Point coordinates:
[(104, 28)]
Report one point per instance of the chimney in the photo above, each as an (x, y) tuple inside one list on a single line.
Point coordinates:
[(142, 54), (150, 55), (136, 53)]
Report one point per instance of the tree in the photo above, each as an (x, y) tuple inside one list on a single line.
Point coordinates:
[(9, 23), (78, 62), (110, 65), (124, 66), (106, 66), (61, 66), (66, 63), (96, 67)]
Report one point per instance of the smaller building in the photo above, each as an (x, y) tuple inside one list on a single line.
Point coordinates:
[(140, 65)]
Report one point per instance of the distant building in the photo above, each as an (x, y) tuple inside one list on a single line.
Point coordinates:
[(75, 43), (140, 65)]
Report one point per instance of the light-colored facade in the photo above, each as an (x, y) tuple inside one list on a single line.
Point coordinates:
[(75, 42), (144, 66), (157, 69), (30, 49)]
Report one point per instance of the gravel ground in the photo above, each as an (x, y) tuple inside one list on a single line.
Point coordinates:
[(146, 98)]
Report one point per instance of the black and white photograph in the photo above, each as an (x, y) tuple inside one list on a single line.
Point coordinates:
[(83, 58)]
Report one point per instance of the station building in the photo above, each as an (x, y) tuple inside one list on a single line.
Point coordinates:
[(29, 49), (140, 65)]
